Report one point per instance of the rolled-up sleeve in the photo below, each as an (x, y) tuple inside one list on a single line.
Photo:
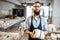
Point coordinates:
[(28, 23), (46, 26)]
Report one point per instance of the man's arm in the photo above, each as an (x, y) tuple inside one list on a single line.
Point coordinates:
[(45, 27), (28, 22)]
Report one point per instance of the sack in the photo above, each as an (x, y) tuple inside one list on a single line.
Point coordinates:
[(39, 33)]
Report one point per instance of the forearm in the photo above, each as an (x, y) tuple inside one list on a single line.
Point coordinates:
[(45, 32), (27, 32)]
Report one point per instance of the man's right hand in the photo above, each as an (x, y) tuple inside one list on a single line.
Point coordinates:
[(30, 33)]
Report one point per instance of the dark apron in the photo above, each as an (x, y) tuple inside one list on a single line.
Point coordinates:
[(32, 28)]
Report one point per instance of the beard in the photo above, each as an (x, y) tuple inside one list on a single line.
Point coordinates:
[(37, 13)]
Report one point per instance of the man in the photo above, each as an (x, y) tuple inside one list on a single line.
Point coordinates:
[(36, 22)]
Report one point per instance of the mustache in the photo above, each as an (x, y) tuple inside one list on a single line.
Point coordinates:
[(37, 12)]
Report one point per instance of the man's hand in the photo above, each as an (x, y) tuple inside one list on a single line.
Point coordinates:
[(31, 34), (45, 33), (27, 32)]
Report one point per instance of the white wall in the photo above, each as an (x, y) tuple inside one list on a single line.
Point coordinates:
[(29, 11), (5, 7), (56, 12)]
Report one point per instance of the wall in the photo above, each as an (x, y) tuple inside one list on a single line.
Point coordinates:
[(5, 8), (56, 12)]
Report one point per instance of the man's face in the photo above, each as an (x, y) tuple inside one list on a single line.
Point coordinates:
[(36, 7)]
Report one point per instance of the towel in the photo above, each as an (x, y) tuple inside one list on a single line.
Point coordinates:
[(39, 33)]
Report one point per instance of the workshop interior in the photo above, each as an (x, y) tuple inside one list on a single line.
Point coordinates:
[(14, 13)]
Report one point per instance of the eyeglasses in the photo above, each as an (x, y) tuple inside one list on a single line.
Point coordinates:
[(36, 6)]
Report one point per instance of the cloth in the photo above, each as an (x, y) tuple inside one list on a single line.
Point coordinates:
[(32, 28), (35, 24)]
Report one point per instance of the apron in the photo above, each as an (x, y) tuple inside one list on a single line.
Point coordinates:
[(32, 28)]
